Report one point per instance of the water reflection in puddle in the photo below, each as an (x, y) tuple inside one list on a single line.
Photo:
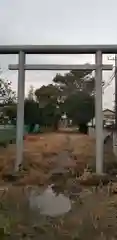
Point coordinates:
[(49, 203)]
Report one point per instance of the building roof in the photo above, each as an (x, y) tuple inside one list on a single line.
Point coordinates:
[(109, 110)]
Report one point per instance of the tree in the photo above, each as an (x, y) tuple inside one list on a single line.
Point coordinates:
[(80, 108), (75, 81), (65, 90), (7, 101), (11, 112), (31, 113), (77, 89), (7, 95), (31, 93), (48, 98), (47, 94), (51, 115)]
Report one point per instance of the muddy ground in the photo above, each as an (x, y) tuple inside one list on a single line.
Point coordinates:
[(57, 195)]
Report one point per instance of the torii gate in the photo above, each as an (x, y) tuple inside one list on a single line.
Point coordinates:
[(98, 50)]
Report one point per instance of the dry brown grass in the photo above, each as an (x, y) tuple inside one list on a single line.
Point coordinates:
[(40, 152)]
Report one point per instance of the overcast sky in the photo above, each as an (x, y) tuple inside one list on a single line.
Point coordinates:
[(57, 22)]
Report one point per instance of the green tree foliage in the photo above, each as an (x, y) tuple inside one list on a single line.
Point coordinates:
[(75, 81), (31, 111), (72, 93), (80, 107), (47, 94), (78, 90), (7, 100), (7, 95), (11, 112)]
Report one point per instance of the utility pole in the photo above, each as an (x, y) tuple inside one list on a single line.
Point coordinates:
[(115, 59), (115, 110), (116, 94), (115, 129)]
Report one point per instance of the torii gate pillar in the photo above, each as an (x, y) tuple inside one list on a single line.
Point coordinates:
[(20, 112), (99, 113)]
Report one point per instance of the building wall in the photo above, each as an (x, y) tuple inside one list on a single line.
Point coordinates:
[(108, 117), (91, 132)]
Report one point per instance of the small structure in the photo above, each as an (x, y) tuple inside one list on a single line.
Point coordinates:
[(108, 117)]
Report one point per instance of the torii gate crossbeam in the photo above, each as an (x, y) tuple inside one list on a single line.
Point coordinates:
[(98, 50), (57, 49)]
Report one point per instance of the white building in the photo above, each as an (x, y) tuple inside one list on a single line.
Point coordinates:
[(108, 118)]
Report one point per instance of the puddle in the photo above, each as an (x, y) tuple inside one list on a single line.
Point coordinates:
[(49, 203)]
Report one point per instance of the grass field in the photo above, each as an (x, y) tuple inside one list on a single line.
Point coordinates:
[(41, 151), (64, 162)]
